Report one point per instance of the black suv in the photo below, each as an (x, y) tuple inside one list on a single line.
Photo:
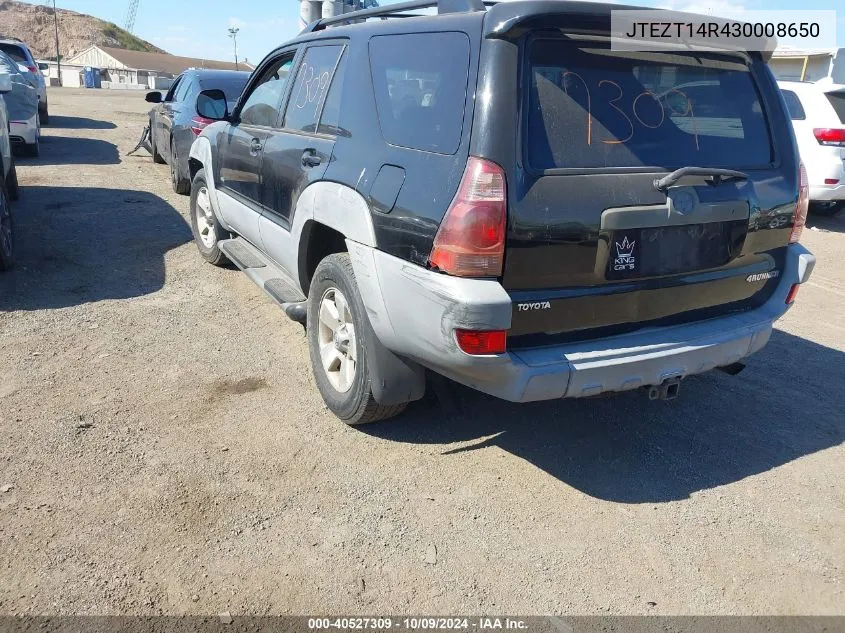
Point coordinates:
[(499, 196)]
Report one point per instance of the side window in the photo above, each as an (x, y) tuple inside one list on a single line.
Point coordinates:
[(183, 90), (793, 104), (313, 79), (263, 104), (173, 88), (420, 96), (330, 118)]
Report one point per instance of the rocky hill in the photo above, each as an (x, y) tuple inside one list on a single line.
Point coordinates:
[(33, 23)]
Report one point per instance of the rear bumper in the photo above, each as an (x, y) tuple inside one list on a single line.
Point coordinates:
[(827, 193), (25, 132), (414, 312)]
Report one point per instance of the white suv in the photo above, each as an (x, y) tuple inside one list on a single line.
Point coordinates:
[(818, 117)]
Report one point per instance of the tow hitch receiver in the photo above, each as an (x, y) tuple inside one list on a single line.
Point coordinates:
[(667, 390)]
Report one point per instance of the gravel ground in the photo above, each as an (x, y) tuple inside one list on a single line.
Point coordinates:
[(163, 448)]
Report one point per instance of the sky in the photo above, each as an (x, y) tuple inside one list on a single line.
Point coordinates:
[(196, 29)]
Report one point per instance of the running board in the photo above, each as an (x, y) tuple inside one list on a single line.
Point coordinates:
[(266, 275)]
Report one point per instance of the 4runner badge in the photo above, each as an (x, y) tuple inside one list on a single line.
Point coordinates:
[(625, 259), (537, 305), (772, 274)]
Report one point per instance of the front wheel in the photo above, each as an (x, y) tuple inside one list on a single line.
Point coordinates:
[(7, 253), (12, 186), (157, 158), (207, 232), (337, 331)]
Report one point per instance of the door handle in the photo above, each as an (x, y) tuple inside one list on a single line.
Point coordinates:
[(255, 147), (310, 158)]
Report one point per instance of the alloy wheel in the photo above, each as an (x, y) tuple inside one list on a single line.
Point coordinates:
[(336, 337)]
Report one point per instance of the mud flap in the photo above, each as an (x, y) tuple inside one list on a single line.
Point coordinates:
[(144, 142), (393, 379)]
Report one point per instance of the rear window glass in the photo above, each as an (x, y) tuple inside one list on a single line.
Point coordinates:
[(590, 107), (420, 84), (793, 105), (837, 100), (231, 87), (15, 52)]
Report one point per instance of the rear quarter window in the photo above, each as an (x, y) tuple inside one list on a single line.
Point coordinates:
[(793, 105), (420, 84), (590, 107), (837, 100)]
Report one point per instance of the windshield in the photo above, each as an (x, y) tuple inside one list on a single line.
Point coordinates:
[(593, 107)]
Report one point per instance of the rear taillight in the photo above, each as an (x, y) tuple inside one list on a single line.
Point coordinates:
[(471, 239), (800, 216), (199, 123), (33, 69), (793, 292), (479, 343), (830, 136)]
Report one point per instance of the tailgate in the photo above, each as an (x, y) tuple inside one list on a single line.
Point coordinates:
[(593, 243)]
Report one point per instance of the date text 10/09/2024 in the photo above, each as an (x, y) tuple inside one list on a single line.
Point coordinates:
[(418, 624)]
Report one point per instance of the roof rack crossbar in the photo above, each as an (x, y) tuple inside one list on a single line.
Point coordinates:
[(398, 9)]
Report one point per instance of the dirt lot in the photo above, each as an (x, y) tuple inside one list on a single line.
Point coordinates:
[(163, 448)]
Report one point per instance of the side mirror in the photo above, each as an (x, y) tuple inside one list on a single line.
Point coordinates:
[(5, 83), (42, 66), (212, 104), (153, 97)]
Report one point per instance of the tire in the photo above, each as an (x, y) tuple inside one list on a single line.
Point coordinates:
[(157, 158), (827, 210), (181, 185), (347, 393), (207, 232), (7, 244), (12, 187), (45, 114)]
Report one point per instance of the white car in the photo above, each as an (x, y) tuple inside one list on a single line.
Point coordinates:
[(30, 69), (22, 107), (8, 178), (818, 117)]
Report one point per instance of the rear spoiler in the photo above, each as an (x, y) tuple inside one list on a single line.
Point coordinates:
[(510, 20)]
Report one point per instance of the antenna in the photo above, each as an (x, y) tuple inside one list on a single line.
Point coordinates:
[(131, 14)]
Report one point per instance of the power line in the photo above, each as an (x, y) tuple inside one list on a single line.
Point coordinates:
[(131, 14)]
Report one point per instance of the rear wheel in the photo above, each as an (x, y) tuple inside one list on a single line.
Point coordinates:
[(337, 333), (33, 150), (7, 253), (44, 111), (827, 209), (181, 185), (207, 232)]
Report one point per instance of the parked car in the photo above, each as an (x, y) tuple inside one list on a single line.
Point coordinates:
[(818, 118), (20, 53), (174, 122), (517, 209), (8, 178), (22, 104)]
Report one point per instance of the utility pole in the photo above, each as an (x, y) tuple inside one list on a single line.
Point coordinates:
[(233, 33), (58, 53)]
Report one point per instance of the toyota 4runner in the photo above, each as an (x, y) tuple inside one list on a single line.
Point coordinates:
[(497, 195)]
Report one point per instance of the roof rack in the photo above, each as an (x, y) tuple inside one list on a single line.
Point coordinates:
[(398, 10)]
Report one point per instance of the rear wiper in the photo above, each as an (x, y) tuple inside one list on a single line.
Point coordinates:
[(712, 175)]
